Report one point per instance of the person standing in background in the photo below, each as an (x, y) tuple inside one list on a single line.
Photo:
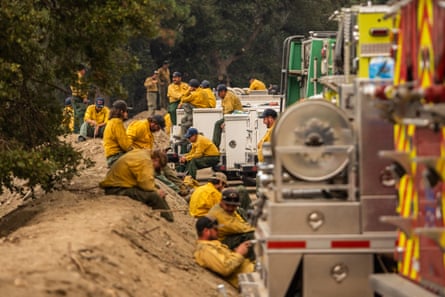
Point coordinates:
[(79, 98), (151, 84), (164, 82), (176, 90)]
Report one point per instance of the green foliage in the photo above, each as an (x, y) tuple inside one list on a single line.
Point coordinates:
[(43, 42), (48, 166), (235, 39)]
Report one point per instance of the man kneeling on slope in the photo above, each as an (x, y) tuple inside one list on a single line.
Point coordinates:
[(133, 175)]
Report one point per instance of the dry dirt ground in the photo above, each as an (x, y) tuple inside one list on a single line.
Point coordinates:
[(79, 242)]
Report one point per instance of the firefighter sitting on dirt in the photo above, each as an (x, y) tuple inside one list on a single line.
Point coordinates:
[(133, 175), (95, 120), (115, 140), (210, 253), (206, 196), (149, 134), (234, 227)]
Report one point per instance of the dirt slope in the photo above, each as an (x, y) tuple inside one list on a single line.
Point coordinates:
[(79, 242)]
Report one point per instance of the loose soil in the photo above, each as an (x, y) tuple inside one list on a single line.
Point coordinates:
[(78, 242)]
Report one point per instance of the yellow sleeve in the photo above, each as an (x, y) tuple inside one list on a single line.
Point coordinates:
[(217, 258), (230, 224)]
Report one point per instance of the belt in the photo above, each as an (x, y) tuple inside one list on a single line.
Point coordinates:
[(153, 92)]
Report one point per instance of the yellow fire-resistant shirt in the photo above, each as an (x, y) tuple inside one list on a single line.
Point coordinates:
[(202, 147), (211, 97), (266, 138), (115, 138), (229, 223), (99, 117), (198, 98), (175, 92), (230, 103), (257, 85), (133, 169), (203, 199), (217, 257), (140, 135)]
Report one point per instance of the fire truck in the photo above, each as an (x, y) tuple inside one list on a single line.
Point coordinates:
[(324, 185), (414, 103)]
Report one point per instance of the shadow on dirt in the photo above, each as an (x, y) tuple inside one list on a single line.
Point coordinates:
[(16, 219)]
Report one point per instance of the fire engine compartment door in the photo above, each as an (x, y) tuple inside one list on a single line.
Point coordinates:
[(321, 217), (334, 275)]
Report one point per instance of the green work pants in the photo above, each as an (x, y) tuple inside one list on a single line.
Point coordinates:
[(150, 198)]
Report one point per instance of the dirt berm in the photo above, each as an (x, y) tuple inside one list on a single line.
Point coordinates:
[(78, 243)]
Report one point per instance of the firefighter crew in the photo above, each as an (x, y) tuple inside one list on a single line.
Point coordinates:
[(151, 84), (95, 120), (269, 117), (230, 103), (133, 175), (115, 141), (203, 153), (256, 84), (175, 91), (234, 227), (210, 253)]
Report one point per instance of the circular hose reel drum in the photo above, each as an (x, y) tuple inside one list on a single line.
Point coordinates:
[(311, 139)]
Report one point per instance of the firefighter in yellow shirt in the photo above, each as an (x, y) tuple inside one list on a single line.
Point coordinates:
[(79, 97), (133, 175), (234, 227), (116, 141), (175, 91), (208, 195), (205, 85), (269, 117), (141, 132), (256, 84), (203, 153), (194, 98), (210, 253), (230, 103), (68, 115), (95, 120)]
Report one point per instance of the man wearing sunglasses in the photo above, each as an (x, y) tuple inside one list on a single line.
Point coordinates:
[(210, 253)]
